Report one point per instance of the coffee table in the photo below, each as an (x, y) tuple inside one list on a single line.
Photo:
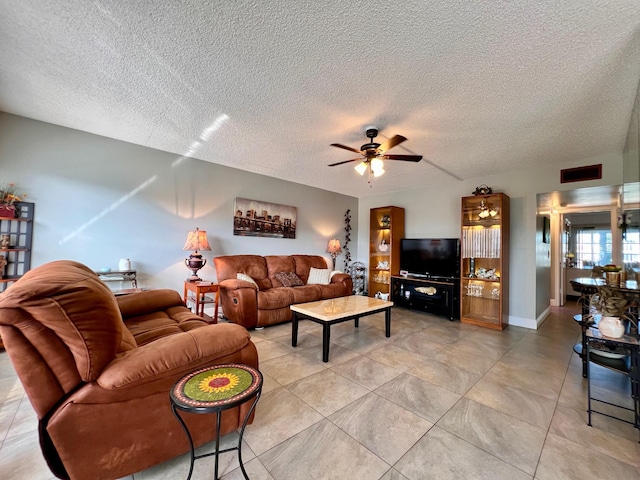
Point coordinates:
[(338, 310)]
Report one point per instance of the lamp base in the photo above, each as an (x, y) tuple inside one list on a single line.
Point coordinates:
[(194, 263)]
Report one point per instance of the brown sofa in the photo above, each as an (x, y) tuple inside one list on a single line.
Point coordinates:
[(269, 303), (98, 369)]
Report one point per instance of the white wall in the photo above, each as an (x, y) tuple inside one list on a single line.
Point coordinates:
[(99, 200), (434, 211)]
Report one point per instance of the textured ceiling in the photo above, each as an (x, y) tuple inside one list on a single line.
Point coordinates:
[(476, 86)]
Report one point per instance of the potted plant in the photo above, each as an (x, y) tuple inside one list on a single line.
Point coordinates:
[(8, 197), (612, 306)]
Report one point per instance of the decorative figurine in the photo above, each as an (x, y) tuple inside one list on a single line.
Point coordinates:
[(483, 190)]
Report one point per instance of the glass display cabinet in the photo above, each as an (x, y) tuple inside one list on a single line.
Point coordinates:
[(484, 252)]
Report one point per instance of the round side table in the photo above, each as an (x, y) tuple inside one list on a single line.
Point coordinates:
[(213, 390)]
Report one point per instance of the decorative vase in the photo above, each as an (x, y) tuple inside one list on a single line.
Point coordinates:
[(611, 327), (7, 211), (124, 264)]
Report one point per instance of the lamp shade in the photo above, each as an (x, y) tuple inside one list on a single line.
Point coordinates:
[(197, 240), (361, 168), (334, 246)]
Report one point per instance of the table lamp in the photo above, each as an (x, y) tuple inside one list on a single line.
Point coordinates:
[(333, 247), (196, 240)]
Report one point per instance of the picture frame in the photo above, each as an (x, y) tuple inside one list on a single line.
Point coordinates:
[(255, 218)]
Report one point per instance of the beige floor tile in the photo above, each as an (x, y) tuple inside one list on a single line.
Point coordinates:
[(393, 474), (606, 435), (327, 392), (421, 343), (385, 428), (419, 396), (366, 372), (440, 455), (25, 420), (21, 459), (269, 349), (563, 459), (323, 452), (522, 404), (289, 368), (512, 440), (279, 416), (447, 376), (548, 386), (396, 357)]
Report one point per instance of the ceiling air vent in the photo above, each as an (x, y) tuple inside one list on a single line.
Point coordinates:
[(581, 174)]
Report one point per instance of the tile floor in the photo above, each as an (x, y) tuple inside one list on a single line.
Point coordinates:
[(437, 400)]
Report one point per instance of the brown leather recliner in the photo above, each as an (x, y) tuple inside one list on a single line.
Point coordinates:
[(98, 369)]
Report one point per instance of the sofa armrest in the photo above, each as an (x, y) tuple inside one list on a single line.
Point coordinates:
[(239, 300), (168, 358), (233, 284), (346, 280)]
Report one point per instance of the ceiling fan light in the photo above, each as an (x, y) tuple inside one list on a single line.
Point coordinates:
[(377, 167), (361, 168)]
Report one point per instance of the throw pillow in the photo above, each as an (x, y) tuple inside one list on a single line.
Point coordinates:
[(247, 278), (288, 279), (319, 276)]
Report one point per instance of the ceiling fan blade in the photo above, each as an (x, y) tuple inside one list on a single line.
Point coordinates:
[(392, 142), (347, 161), (339, 145), (406, 158)]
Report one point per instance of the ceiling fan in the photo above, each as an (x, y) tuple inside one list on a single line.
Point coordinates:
[(373, 153)]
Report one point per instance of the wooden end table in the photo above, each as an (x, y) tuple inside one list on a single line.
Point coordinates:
[(195, 293)]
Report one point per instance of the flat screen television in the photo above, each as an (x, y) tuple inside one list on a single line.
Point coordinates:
[(430, 257)]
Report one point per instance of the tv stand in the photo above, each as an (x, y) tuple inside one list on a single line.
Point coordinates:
[(440, 297)]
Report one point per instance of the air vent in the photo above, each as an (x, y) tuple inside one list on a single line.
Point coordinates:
[(581, 174)]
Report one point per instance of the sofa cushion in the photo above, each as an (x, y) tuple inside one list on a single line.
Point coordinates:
[(275, 298), (304, 263), (289, 279), (306, 293), (319, 276)]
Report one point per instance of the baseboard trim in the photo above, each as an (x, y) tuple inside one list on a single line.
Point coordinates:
[(530, 323)]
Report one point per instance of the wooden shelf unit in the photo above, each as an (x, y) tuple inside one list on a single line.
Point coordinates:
[(391, 233), (18, 255), (484, 245)]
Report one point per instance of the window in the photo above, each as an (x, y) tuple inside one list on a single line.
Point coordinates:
[(594, 247), (631, 250)]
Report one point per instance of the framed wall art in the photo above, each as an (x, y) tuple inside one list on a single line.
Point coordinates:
[(254, 218)]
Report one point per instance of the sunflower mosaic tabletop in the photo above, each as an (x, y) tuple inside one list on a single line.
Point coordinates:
[(216, 388)]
